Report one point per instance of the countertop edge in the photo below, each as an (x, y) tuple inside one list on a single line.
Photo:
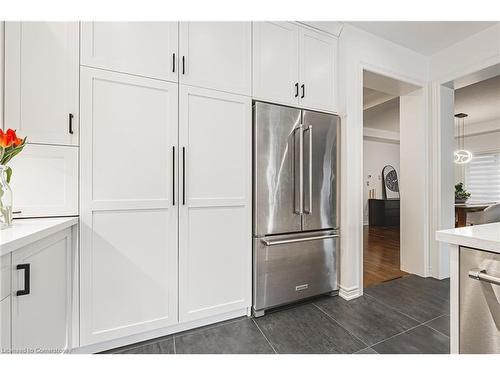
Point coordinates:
[(37, 234), (472, 242)]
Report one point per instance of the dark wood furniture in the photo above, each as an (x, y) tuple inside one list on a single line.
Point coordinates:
[(383, 212), (461, 210)]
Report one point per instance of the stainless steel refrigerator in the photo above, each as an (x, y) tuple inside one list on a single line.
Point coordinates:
[(296, 207)]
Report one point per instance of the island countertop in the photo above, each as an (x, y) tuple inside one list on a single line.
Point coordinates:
[(484, 236), (26, 231)]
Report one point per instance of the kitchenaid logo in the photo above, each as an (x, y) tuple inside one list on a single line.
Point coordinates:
[(301, 287), (32, 351)]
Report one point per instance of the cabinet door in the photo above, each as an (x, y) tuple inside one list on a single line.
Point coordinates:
[(276, 62), (5, 326), (318, 66), (217, 55), (146, 49), (215, 213), (41, 295), (128, 205), (41, 81), (54, 172)]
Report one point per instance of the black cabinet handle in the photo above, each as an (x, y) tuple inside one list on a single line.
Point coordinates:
[(26, 290), (183, 176), (183, 65), (296, 89), (173, 176), (303, 90), (70, 123), (173, 63)]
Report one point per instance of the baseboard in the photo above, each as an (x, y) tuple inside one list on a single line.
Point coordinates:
[(349, 293), (123, 341)]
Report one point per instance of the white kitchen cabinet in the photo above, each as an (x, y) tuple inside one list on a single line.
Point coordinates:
[(5, 326), (215, 204), (41, 81), (216, 55), (129, 214), (294, 65), (276, 62), (317, 74), (4, 276), (146, 49), (42, 295), (45, 181)]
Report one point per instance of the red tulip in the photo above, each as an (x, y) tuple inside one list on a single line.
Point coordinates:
[(5, 140)]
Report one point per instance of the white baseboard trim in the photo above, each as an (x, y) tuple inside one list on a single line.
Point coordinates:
[(112, 344), (349, 293)]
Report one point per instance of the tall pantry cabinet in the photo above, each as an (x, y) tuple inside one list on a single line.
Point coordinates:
[(165, 176)]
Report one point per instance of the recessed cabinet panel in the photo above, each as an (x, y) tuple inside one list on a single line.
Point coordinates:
[(130, 274), (4, 276), (45, 181), (276, 62), (143, 48), (215, 221), (216, 55), (130, 135), (317, 70), (41, 80), (41, 318), (5, 326)]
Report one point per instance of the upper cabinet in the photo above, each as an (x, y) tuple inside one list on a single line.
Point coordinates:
[(146, 49), (294, 65), (216, 55), (317, 74), (41, 81), (276, 61)]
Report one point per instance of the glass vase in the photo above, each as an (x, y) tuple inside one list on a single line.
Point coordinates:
[(5, 200)]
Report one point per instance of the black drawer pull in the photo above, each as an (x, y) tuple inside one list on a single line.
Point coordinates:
[(70, 123), (303, 90), (26, 268), (296, 89), (173, 63)]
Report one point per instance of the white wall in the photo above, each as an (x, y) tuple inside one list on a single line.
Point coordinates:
[(1, 71), (360, 50), (376, 155)]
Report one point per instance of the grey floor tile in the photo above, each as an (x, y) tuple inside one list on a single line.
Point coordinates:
[(367, 351), (442, 324), (305, 329), (420, 340), (165, 346), (240, 337), (411, 298), (429, 285), (366, 318)]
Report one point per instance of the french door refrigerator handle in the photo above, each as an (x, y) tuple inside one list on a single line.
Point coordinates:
[(295, 240), (481, 275), (309, 209), (300, 130)]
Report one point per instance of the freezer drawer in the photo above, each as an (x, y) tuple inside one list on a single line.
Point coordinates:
[(292, 267), (479, 301)]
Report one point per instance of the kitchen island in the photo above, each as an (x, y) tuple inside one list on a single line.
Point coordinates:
[(474, 287)]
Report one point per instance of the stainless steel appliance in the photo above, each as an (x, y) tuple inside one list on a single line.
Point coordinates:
[(479, 301), (296, 208)]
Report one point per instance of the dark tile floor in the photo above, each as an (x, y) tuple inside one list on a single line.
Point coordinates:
[(406, 315)]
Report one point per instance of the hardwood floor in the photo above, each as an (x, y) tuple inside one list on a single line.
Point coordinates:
[(380, 254)]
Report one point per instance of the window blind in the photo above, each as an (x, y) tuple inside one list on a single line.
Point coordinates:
[(482, 177)]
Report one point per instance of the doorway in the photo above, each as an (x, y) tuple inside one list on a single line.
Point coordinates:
[(384, 98)]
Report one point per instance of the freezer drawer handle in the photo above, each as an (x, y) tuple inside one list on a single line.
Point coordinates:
[(26, 268), (295, 240), (481, 275)]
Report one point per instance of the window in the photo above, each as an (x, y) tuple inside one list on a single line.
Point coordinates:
[(482, 177)]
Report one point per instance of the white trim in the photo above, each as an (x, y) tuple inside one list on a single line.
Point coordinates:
[(132, 339), (454, 300), (350, 293)]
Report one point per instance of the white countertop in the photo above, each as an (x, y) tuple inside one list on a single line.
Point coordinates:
[(26, 231), (485, 236)]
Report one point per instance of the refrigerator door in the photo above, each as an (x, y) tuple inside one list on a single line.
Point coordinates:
[(276, 176), (292, 267), (321, 166)]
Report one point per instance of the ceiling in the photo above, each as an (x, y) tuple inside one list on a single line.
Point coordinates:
[(424, 37), (481, 101)]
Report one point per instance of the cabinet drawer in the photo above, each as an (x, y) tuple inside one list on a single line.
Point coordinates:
[(53, 170), (4, 276)]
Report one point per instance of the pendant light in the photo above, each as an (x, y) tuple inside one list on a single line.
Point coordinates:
[(461, 155)]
